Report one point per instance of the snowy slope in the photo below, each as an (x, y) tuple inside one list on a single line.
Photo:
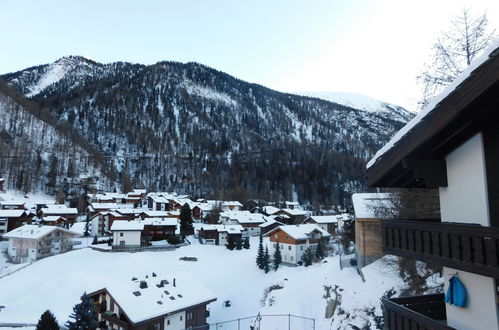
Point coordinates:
[(362, 102), (230, 275)]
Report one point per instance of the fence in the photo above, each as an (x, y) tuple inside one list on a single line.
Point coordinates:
[(263, 322)]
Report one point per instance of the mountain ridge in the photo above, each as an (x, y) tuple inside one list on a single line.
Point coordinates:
[(195, 122)]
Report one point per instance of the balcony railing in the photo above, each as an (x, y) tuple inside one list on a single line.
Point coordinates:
[(471, 248), (419, 312)]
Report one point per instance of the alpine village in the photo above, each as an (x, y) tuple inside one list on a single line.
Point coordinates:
[(174, 196)]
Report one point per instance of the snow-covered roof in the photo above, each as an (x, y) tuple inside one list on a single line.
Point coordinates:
[(130, 211), (294, 212), (127, 225), (300, 232), (59, 209), (434, 102), (159, 199), (34, 231), (13, 203), (79, 227), (324, 219), (160, 297), (231, 229), (53, 218), (11, 213), (231, 203), (365, 204), (244, 217), (160, 221), (108, 206), (269, 222), (158, 214), (139, 191)]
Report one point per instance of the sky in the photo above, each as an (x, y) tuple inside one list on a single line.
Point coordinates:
[(376, 48)]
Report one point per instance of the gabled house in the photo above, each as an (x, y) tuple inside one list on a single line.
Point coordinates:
[(295, 239), (249, 221), (452, 145), (70, 213), (231, 206), (54, 220), (32, 242), (221, 234), (173, 301), (295, 216), (12, 219), (158, 203), (327, 222), (127, 234)]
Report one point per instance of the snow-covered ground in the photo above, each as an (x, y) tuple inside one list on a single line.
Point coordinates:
[(57, 282), (6, 267)]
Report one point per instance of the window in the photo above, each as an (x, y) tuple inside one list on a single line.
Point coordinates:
[(121, 234), (181, 318), (289, 247), (276, 236), (190, 316), (168, 322)]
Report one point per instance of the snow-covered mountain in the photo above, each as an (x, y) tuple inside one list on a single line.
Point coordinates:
[(197, 130), (363, 102), (39, 154)]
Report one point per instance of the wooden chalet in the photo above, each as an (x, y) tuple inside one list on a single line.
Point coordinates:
[(221, 234), (175, 301), (12, 219), (452, 146)]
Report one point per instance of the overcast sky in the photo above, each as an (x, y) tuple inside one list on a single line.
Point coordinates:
[(369, 47)]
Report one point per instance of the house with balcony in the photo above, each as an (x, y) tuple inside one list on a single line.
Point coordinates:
[(221, 234), (173, 301), (452, 146), (32, 242), (295, 239)]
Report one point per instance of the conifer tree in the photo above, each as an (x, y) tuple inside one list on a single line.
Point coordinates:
[(83, 315), (186, 227), (266, 259), (277, 256), (239, 244), (230, 244), (47, 322), (246, 244), (307, 257), (260, 253), (319, 252)]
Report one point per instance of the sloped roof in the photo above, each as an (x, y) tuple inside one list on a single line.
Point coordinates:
[(157, 300), (34, 231), (365, 204), (300, 232), (133, 225)]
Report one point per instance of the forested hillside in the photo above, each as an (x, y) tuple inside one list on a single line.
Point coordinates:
[(193, 129)]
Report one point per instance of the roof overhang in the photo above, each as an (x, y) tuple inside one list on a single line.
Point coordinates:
[(418, 158)]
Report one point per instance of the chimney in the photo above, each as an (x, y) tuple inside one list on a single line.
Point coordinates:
[(174, 282)]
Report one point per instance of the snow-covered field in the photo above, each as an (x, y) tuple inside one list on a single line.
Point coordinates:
[(57, 282)]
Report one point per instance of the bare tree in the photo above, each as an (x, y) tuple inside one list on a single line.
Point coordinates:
[(453, 51)]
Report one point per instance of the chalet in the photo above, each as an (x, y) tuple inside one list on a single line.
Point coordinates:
[(249, 221), (32, 242), (231, 206), (296, 216), (295, 239), (292, 205), (127, 233), (12, 205), (59, 210), (54, 220), (102, 221), (157, 203), (174, 301), (12, 219), (159, 228), (327, 222), (94, 208), (221, 234), (452, 145), (269, 225)]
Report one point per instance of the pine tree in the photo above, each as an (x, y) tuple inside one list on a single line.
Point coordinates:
[(246, 244), (186, 227), (307, 257), (259, 256), (266, 259), (86, 233), (47, 322), (319, 252), (83, 315), (230, 244), (239, 244), (277, 256)]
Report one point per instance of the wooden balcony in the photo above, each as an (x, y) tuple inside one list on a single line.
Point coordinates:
[(415, 313), (471, 248)]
